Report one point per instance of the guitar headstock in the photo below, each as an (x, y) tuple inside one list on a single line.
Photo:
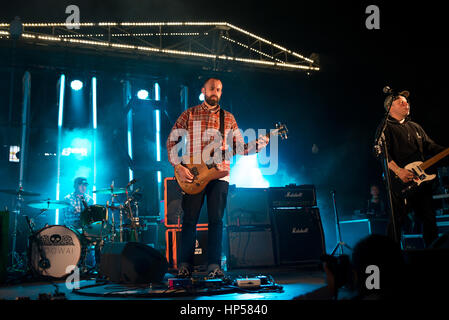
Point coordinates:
[(281, 130)]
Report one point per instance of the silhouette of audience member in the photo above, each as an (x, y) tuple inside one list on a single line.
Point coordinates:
[(374, 250), (386, 257)]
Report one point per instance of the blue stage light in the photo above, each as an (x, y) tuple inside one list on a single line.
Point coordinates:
[(142, 94), (246, 173), (76, 85)]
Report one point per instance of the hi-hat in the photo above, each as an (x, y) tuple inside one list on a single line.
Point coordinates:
[(20, 192), (48, 204)]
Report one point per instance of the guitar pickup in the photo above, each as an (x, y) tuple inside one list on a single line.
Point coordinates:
[(194, 171)]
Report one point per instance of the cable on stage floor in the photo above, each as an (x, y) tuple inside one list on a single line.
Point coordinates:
[(195, 287)]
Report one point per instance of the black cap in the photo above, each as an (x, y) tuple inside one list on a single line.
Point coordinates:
[(80, 180), (389, 99)]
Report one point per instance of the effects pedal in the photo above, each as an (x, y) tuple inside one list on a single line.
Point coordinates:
[(248, 282)]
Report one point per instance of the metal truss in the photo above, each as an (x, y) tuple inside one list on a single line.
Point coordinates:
[(220, 44)]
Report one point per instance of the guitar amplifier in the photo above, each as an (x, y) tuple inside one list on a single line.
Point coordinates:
[(250, 246), (247, 207), (173, 246), (173, 210), (299, 236), (292, 196)]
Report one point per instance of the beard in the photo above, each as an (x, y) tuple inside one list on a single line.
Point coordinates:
[(212, 100)]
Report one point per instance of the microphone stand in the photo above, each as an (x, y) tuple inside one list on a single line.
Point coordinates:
[(381, 148), (340, 244)]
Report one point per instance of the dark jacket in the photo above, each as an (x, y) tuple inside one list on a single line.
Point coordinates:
[(408, 142)]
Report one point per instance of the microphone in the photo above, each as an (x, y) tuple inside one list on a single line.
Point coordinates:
[(132, 182)]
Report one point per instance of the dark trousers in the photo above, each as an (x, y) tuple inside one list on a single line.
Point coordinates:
[(421, 203), (216, 193)]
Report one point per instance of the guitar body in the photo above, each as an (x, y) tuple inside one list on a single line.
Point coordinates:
[(202, 173), (407, 189)]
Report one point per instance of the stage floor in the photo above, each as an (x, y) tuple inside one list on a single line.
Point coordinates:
[(294, 280)]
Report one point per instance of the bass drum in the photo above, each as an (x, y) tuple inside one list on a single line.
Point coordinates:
[(62, 249)]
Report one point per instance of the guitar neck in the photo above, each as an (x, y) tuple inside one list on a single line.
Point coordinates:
[(228, 156), (434, 159)]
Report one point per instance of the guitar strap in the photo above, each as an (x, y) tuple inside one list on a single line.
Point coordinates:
[(222, 122)]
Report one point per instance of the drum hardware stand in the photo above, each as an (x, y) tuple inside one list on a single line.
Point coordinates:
[(134, 220), (340, 244), (17, 263), (44, 263)]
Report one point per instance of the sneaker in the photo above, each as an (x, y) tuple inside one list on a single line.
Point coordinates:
[(215, 272), (184, 272)]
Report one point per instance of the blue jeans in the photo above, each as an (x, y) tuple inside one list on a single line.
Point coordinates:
[(216, 193)]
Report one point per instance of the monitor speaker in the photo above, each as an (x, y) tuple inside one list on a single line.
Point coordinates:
[(132, 262)]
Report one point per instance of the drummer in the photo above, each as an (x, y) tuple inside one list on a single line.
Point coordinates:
[(79, 200)]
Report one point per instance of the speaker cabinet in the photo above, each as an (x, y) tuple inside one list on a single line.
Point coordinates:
[(299, 235), (352, 231), (173, 240), (173, 209), (132, 262), (250, 247), (247, 207)]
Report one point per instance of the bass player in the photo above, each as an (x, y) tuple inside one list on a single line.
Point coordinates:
[(197, 123)]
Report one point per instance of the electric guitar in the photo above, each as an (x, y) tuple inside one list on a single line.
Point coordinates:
[(203, 172), (406, 189)]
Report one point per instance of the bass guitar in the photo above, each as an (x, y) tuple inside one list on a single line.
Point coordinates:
[(203, 172)]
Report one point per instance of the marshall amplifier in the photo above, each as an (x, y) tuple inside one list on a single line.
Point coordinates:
[(292, 196), (173, 210), (299, 236)]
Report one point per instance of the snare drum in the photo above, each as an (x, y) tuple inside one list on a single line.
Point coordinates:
[(63, 250)]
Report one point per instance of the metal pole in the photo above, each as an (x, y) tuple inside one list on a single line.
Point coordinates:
[(26, 83)]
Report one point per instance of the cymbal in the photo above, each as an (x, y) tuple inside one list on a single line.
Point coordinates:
[(48, 204), (108, 191), (21, 192)]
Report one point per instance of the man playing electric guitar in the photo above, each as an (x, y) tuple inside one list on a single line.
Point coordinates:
[(407, 143), (196, 123)]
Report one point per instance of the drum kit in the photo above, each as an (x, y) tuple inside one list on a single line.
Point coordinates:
[(55, 250)]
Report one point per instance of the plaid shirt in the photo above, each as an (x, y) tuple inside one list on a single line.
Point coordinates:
[(196, 120), (72, 214)]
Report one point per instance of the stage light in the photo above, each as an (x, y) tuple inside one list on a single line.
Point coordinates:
[(13, 151), (94, 126), (143, 94), (60, 117), (80, 151), (201, 97), (246, 173), (76, 85)]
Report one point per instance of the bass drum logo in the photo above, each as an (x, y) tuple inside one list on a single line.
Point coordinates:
[(56, 240)]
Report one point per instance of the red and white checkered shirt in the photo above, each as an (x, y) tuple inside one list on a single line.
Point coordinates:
[(196, 121)]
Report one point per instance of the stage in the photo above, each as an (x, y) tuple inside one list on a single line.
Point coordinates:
[(293, 281)]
